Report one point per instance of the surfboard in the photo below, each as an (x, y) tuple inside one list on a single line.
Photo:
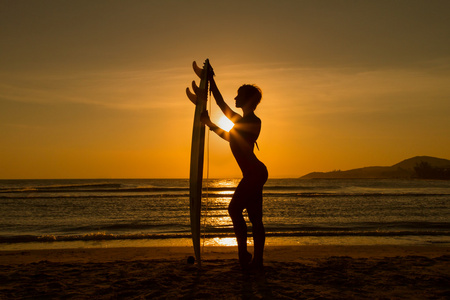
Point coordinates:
[(199, 98)]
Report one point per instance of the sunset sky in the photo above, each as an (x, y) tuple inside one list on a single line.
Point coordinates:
[(96, 89)]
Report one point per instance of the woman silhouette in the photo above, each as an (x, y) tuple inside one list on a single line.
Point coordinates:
[(248, 195)]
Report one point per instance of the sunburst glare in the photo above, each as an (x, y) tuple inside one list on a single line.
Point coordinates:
[(225, 123)]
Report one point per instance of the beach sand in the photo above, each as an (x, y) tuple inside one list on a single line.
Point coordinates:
[(291, 272)]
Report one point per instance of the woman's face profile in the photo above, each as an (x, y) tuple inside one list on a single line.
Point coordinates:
[(240, 99)]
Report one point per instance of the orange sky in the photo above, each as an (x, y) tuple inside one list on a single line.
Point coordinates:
[(96, 89)]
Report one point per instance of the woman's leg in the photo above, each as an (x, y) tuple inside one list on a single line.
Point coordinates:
[(235, 209), (255, 214)]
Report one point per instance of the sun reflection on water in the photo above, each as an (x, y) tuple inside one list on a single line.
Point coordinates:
[(226, 241), (221, 187), (223, 183), (225, 193), (215, 210), (220, 221)]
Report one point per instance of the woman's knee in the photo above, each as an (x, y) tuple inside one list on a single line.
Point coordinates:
[(234, 210), (255, 215), (257, 223)]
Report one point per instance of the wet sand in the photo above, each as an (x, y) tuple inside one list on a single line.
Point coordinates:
[(291, 272)]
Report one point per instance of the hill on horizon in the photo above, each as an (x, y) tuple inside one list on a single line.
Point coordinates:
[(403, 169)]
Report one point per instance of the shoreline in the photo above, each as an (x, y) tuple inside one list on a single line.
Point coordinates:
[(272, 253), (290, 272), (281, 241)]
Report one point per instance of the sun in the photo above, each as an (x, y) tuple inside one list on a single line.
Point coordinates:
[(225, 123)]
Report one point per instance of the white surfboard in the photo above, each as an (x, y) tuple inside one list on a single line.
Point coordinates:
[(199, 98)]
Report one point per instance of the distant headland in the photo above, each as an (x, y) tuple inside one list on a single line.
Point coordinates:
[(422, 167)]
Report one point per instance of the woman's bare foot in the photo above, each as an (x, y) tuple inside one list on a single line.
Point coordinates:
[(244, 259)]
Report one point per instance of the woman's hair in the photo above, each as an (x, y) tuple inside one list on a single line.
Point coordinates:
[(252, 93)]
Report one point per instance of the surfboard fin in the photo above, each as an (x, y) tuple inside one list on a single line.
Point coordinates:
[(191, 96), (195, 88), (197, 69)]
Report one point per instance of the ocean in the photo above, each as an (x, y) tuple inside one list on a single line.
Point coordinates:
[(46, 214)]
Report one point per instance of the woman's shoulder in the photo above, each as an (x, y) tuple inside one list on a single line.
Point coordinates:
[(252, 118)]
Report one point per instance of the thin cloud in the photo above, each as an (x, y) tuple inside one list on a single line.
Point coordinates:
[(128, 89)]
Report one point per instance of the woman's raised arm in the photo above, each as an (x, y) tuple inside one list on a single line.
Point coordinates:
[(213, 127), (227, 111)]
